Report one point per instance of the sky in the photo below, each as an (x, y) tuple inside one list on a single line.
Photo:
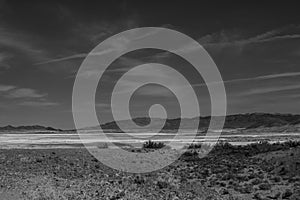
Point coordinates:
[(255, 45)]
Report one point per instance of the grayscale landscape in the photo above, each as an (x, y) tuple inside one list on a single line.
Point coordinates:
[(257, 159), (149, 100)]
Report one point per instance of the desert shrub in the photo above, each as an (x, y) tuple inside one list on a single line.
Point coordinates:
[(265, 146), (262, 146), (162, 184), (153, 145), (223, 147), (190, 153), (195, 146), (205, 147), (139, 180), (292, 143)]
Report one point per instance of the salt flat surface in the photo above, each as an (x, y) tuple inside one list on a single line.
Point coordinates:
[(65, 140)]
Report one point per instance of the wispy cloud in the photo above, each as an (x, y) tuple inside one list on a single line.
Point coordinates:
[(24, 93), (118, 44), (25, 96), (5, 88), (3, 60), (235, 37), (37, 103), (80, 55), (296, 96), (217, 41), (264, 77), (20, 42), (75, 56), (155, 91), (270, 89), (222, 38)]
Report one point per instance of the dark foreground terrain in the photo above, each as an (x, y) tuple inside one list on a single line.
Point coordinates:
[(257, 171)]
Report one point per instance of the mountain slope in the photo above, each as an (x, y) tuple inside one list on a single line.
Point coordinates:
[(243, 121), (28, 128), (262, 122)]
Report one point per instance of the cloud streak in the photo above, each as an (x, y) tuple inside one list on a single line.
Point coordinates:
[(224, 38), (270, 89), (265, 77), (12, 40), (37, 103), (155, 91), (5, 88), (25, 96), (3, 60), (24, 93), (75, 56)]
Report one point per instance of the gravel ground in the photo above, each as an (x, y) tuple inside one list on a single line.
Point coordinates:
[(223, 174)]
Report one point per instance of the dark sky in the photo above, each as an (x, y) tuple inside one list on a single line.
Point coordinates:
[(255, 45)]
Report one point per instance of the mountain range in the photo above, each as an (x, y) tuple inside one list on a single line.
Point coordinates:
[(35, 128), (263, 122), (246, 122)]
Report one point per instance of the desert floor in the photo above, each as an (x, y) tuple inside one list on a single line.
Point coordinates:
[(257, 171)]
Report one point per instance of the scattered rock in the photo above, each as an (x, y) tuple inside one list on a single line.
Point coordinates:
[(258, 196), (224, 191), (256, 181), (276, 196), (287, 193), (264, 186)]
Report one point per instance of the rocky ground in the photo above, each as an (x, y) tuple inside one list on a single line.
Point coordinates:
[(261, 171)]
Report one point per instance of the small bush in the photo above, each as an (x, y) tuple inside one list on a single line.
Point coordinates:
[(153, 145), (292, 143), (222, 146), (195, 146), (139, 180), (190, 153)]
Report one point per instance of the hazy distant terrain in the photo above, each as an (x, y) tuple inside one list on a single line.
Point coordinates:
[(255, 122), (238, 130)]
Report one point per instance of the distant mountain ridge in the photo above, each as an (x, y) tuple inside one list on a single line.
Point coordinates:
[(263, 122), (249, 121), (28, 128)]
